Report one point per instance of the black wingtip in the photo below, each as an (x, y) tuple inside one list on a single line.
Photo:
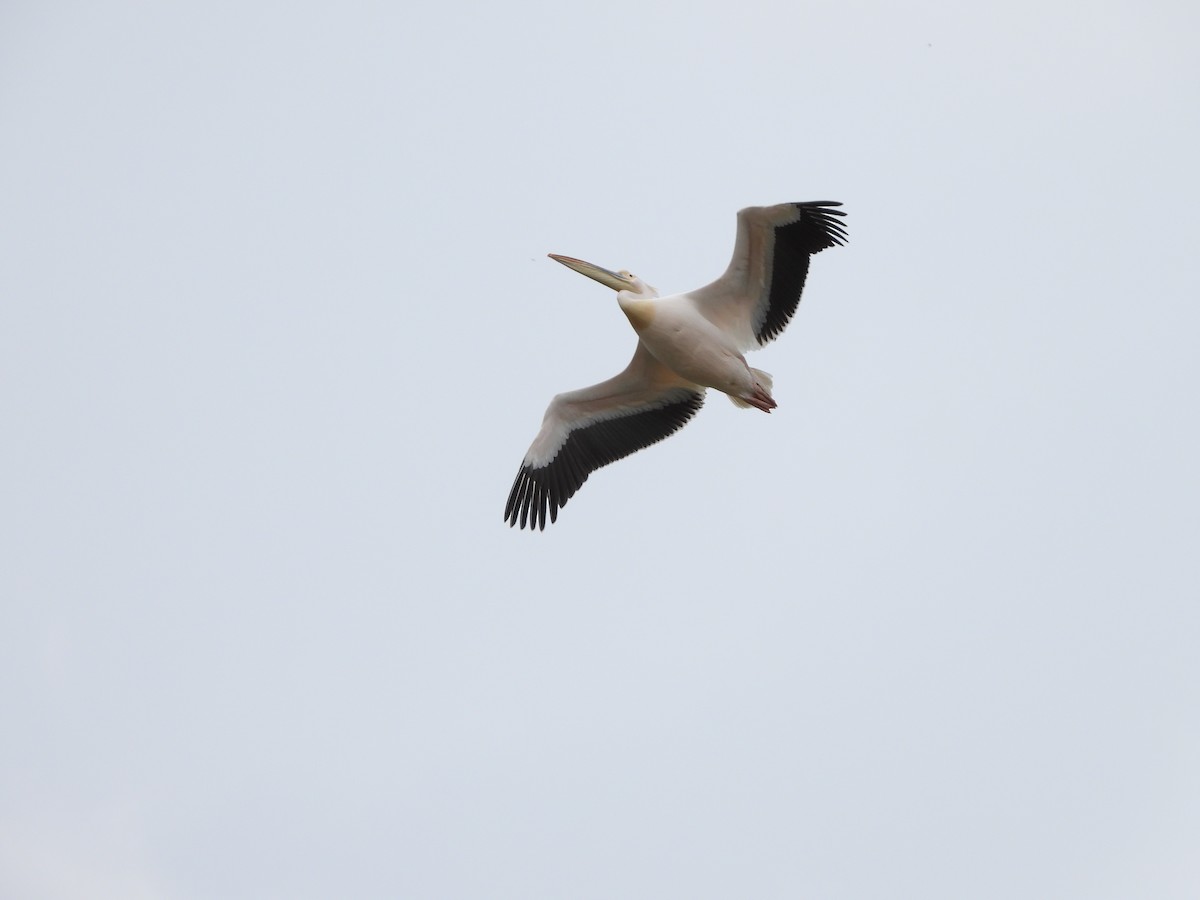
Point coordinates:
[(816, 227), (830, 232)]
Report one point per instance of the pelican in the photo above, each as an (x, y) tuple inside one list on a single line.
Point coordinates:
[(686, 344)]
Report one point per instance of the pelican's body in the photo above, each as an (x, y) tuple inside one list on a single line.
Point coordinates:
[(678, 335), (686, 344)]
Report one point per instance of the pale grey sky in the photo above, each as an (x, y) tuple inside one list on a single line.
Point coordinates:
[(277, 325)]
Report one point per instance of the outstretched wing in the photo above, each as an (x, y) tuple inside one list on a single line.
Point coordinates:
[(758, 294), (589, 428)]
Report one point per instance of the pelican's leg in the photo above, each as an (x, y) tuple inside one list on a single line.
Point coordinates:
[(760, 399)]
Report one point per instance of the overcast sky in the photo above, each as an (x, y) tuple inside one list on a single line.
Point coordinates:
[(277, 326)]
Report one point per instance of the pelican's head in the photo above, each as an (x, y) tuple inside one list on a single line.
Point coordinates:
[(618, 281)]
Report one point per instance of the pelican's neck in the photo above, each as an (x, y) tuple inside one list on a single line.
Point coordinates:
[(638, 305)]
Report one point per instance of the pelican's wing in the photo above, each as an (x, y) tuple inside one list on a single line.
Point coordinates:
[(756, 297), (589, 428)]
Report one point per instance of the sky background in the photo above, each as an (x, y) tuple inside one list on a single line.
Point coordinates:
[(277, 326)]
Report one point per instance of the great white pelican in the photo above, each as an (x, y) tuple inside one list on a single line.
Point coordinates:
[(686, 344)]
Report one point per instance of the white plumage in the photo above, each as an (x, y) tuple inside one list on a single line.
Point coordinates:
[(686, 344)]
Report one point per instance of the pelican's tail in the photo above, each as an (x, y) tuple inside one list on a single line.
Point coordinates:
[(760, 396)]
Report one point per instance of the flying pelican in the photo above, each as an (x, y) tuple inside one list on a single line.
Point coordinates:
[(686, 343)]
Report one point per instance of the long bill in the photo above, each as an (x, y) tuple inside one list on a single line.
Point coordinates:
[(606, 277)]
